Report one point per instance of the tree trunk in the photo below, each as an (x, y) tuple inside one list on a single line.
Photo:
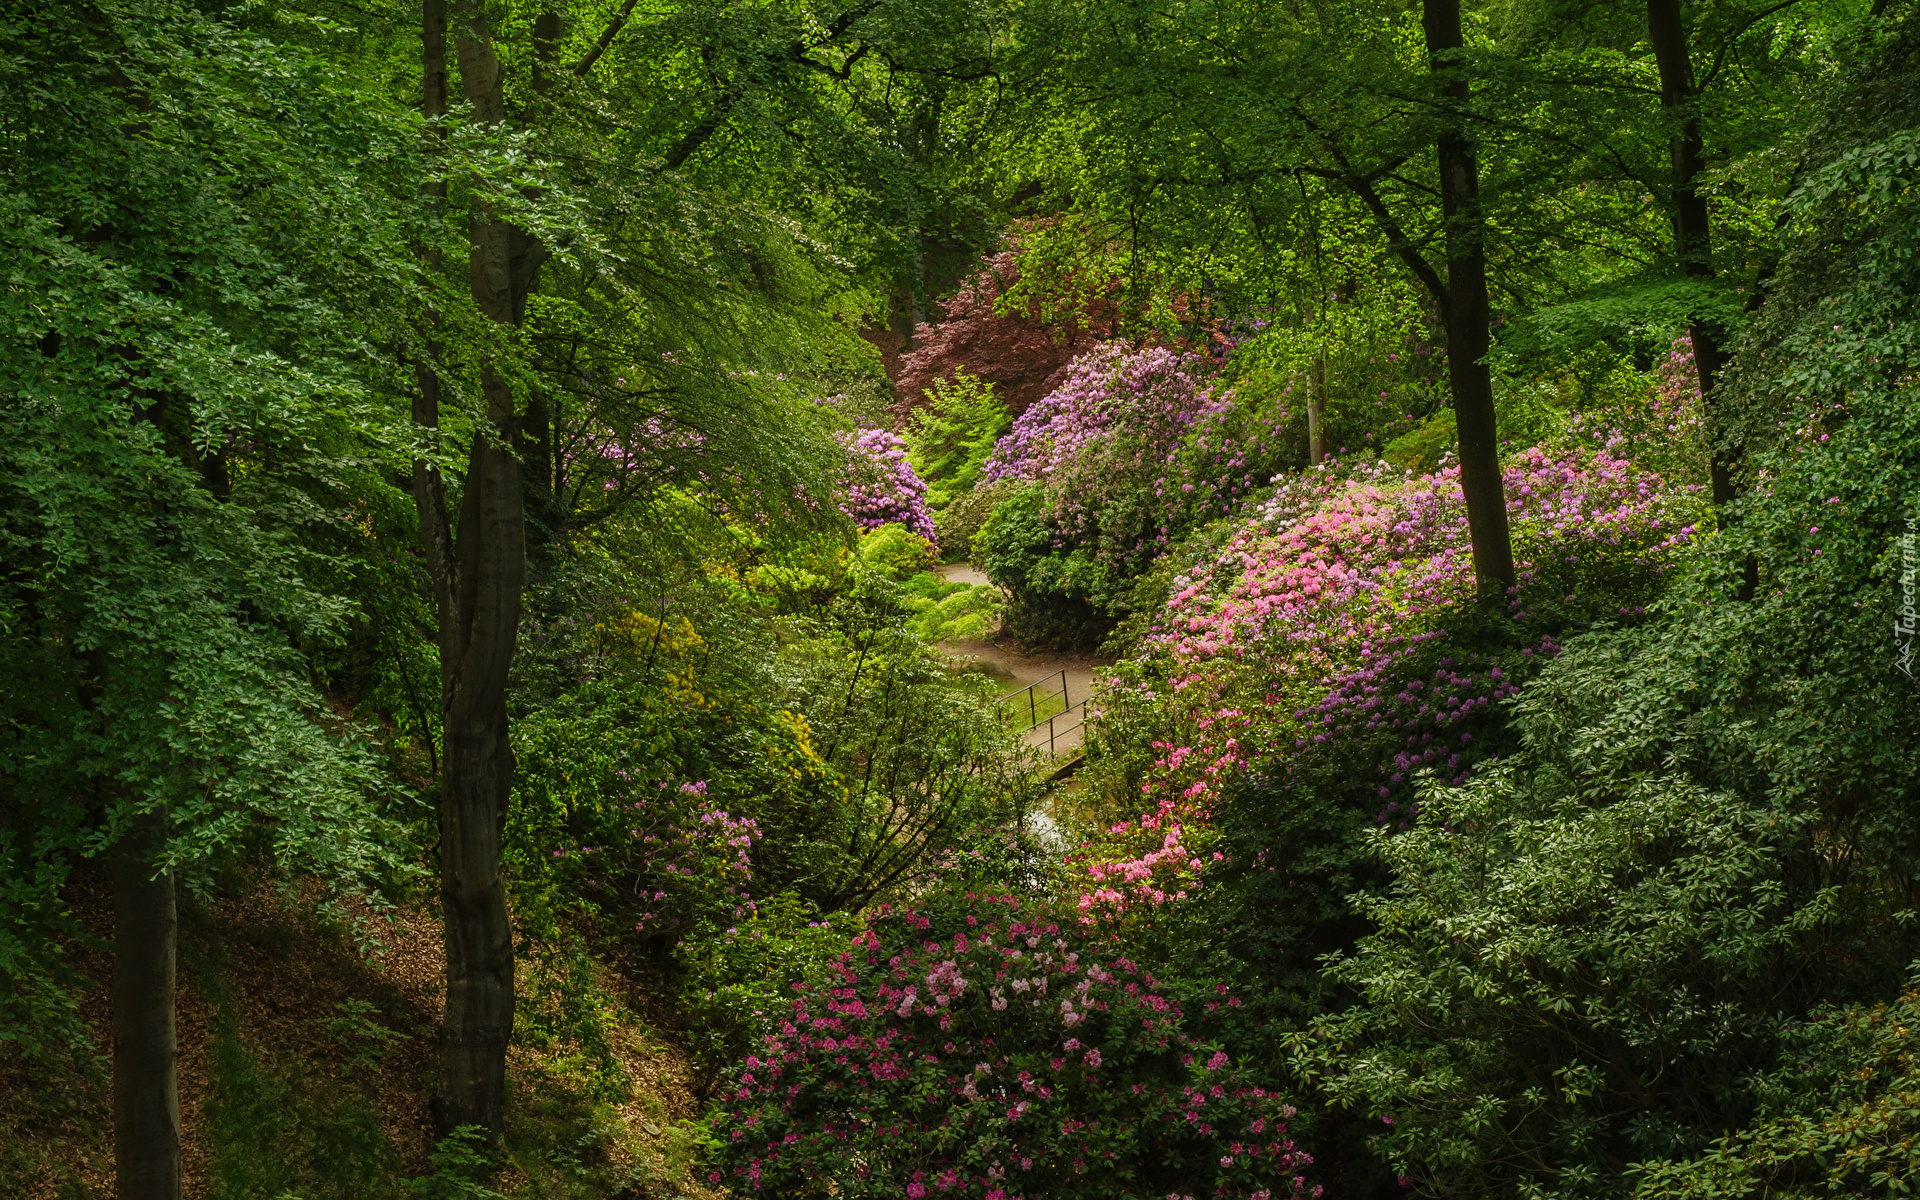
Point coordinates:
[(1692, 230), (476, 649), (479, 574), (146, 1093), (1317, 411), (1467, 319)]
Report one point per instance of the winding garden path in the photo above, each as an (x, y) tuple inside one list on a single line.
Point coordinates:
[(1017, 670)]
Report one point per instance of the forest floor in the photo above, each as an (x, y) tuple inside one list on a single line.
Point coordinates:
[(306, 1064)]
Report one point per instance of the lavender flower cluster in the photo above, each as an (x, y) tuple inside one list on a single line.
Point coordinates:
[(1154, 393), (882, 488)]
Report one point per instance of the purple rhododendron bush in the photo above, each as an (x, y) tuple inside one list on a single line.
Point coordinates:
[(966, 1047), (1135, 449), (882, 488)]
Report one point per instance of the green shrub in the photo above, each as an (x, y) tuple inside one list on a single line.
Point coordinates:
[(1053, 598), (1839, 1115), (895, 551), (951, 436)]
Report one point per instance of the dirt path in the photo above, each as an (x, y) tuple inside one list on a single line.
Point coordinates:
[(961, 573), (1016, 669)]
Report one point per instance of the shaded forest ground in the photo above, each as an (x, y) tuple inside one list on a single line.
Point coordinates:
[(306, 1065)]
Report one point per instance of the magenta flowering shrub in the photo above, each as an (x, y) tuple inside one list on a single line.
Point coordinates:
[(1330, 651), (966, 1051), (882, 488), (656, 859), (1124, 500)]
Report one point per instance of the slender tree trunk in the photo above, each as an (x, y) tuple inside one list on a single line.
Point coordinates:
[(146, 1093), (1467, 317), (429, 491), (480, 573), (1317, 411), (1692, 229)]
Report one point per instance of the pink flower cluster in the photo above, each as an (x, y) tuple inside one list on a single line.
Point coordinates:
[(999, 1058), (1324, 622), (882, 488), (1378, 552)]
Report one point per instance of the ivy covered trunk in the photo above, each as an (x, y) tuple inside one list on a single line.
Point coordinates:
[(1467, 317), (146, 1052)]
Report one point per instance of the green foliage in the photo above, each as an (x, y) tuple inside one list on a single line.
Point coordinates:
[(280, 1129), (950, 438), (1836, 1116), (364, 1040), (969, 611), (895, 552), (1056, 598), (739, 979), (461, 1162), (1606, 952), (187, 451), (959, 523), (1426, 447)]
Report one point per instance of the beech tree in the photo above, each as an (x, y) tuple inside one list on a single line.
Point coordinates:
[(178, 469), (635, 295), (1542, 169)]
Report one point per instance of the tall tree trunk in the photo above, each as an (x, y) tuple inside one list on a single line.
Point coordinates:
[(146, 1093), (480, 573), (429, 491), (1467, 319), (1692, 230)]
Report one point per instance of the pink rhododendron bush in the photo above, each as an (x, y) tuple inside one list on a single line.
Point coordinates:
[(973, 1050), (1320, 657)]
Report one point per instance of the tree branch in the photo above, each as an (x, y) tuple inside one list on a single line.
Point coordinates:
[(605, 39)]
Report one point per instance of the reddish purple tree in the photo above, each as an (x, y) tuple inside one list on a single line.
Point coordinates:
[(1022, 355)]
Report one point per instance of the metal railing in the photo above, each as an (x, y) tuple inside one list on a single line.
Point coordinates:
[(1032, 693), (1071, 716)]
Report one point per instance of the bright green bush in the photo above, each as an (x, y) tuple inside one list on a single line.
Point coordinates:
[(895, 551), (968, 613), (950, 437)]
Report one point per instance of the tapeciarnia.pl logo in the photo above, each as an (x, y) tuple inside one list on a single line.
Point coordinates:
[(1904, 618)]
